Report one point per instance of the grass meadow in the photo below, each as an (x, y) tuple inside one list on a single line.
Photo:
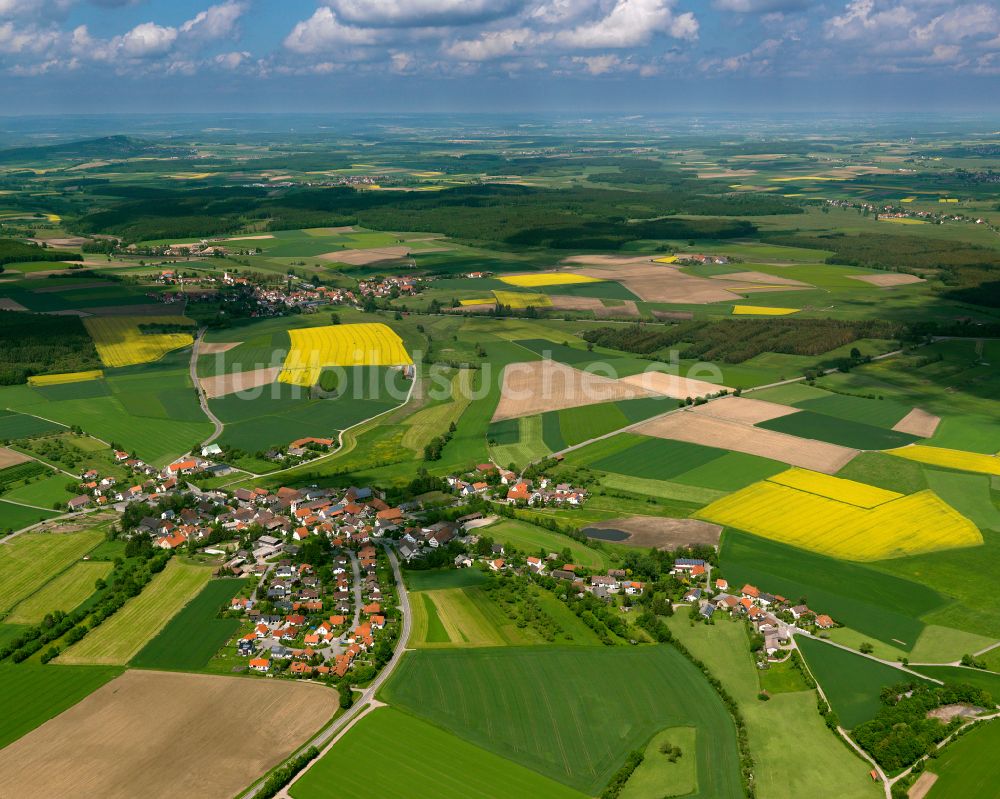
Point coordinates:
[(968, 768), (29, 561), (15, 517), (194, 635), (784, 732), (20, 425), (428, 763), (117, 640), (531, 539), (851, 682), (524, 704), (64, 592), (31, 695)]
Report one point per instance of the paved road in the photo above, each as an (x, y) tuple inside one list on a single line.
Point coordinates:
[(202, 399), (356, 569), (367, 701)]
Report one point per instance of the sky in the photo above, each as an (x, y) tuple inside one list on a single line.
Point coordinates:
[(654, 56)]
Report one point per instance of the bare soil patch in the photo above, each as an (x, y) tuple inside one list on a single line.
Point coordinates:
[(114, 743), (537, 386), (7, 304), (69, 241), (565, 302), (372, 256), (252, 238), (608, 260), (215, 347), (740, 409), (664, 283), (727, 173), (673, 385), (221, 385), (70, 312), (888, 279), (660, 532), (946, 713), (918, 423), (673, 316), (708, 431), (759, 277), (11, 457), (627, 310), (922, 786)]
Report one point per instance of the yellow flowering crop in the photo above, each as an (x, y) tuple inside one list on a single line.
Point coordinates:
[(547, 279), (950, 458), (65, 377), (120, 341), (363, 344), (850, 491)]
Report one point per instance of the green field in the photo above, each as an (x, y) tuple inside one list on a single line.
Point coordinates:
[(946, 644), (29, 561), (435, 631), (64, 592), (117, 640), (987, 680), (42, 493), (524, 446), (658, 458), (657, 776), (531, 539), (21, 425), (782, 678), (880, 413), (846, 432), (190, 638), (15, 517), (783, 732), (851, 682), (425, 763), (969, 494), (524, 704), (858, 596), (571, 426), (886, 471), (31, 695), (969, 767), (436, 579)]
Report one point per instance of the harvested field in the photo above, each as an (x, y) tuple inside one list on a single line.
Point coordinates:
[(673, 385), (7, 304), (537, 386), (132, 721), (918, 423), (607, 260), (888, 279), (10, 457), (373, 256), (708, 431), (221, 385), (656, 531), (251, 238), (214, 348), (739, 409)]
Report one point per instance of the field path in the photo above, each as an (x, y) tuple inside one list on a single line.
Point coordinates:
[(202, 399), (364, 704)]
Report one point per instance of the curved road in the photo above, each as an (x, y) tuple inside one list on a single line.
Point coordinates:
[(202, 399), (329, 736)]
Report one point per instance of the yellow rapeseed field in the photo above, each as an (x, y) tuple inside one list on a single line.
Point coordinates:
[(547, 279), (483, 301), (65, 377), (522, 299), (950, 458), (667, 259), (120, 342), (850, 491), (760, 310), (363, 344), (913, 524)]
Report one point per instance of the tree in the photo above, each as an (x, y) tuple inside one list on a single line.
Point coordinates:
[(866, 648), (346, 695)]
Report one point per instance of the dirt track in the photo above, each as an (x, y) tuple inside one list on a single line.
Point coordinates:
[(156, 734)]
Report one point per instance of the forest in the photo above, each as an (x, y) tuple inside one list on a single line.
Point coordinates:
[(13, 251), (970, 273), (513, 215), (735, 341), (33, 344)]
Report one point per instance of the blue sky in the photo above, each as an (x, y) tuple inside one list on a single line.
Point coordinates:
[(498, 55)]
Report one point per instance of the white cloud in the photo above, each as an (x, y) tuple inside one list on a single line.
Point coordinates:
[(861, 19), (599, 64), (495, 44), (147, 39), (233, 60), (323, 31), (632, 23), (759, 6), (216, 22), (407, 13)]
